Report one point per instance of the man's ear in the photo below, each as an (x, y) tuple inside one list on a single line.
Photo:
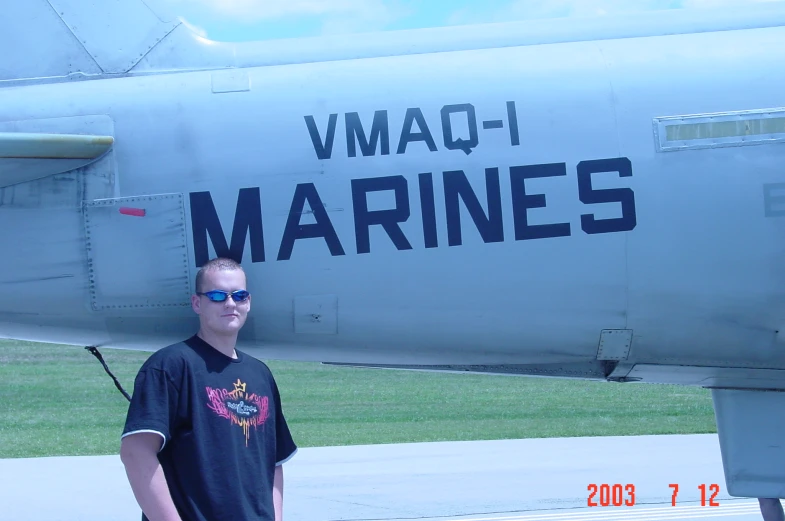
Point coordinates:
[(196, 304)]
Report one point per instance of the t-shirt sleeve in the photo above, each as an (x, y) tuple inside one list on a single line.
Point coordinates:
[(153, 404), (285, 448)]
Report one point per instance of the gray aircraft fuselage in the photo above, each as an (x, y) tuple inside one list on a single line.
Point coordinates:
[(575, 199)]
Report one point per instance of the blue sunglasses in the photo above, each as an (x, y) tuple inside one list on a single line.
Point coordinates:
[(218, 295)]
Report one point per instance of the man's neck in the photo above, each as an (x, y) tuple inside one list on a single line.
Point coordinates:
[(222, 344)]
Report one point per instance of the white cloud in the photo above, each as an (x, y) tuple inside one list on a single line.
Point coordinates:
[(365, 16), (539, 9), (351, 16), (259, 10), (334, 16), (720, 3)]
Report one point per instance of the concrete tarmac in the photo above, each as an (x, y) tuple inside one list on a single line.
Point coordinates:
[(510, 480)]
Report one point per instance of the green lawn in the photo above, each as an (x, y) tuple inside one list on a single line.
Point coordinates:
[(57, 400)]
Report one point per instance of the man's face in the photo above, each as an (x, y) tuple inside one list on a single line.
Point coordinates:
[(227, 317)]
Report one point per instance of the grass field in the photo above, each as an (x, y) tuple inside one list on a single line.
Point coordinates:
[(57, 401)]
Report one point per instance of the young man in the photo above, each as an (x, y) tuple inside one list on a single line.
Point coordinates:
[(205, 437)]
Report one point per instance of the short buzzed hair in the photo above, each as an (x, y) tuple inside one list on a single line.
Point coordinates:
[(219, 263)]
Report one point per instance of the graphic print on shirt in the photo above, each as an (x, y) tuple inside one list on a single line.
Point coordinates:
[(239, 407)]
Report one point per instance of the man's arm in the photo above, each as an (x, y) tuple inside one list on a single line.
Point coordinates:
[(138, 453), (277, 493)]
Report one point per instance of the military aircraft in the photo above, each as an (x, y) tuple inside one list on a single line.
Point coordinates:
[(585, 198)]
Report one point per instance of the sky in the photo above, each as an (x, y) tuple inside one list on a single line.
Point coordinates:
[(249, 20)]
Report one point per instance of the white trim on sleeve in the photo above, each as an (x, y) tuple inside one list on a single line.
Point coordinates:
[(287, 459), (161, 434)]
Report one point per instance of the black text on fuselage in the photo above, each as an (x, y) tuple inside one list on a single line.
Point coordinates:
[(249, 223)]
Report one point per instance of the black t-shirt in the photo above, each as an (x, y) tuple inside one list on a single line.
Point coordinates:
[(223, 427)]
